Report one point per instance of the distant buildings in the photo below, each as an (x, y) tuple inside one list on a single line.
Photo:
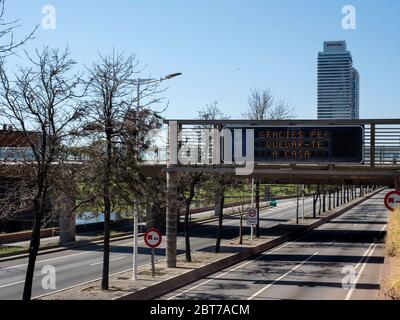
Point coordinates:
[(14, 145), (338, 83)]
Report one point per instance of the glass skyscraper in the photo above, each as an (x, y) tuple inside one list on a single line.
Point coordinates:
[(338, 83)]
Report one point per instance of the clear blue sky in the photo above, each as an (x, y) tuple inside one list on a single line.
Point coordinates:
[(225, 47)]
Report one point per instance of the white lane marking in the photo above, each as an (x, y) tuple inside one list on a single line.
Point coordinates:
[(325, 225), (355, 225), (63, 257), (100, 262), (332, 242), (365, 258), (349, 294), (46, 260), (12, 284), (80, 253), (233, 269), (281, 277), (369, 248)]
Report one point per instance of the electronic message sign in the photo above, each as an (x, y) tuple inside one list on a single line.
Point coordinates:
[(306, 143)]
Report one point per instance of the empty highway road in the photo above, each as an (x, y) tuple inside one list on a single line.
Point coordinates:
[(340, 260)]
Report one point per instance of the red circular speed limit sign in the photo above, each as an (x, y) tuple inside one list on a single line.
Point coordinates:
[(392, 200), (152, 238)]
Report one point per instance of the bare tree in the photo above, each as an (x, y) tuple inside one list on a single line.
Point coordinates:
[(41, 103), (212, 111), (262, 106), (116, 128), (186, 187), (217, 187), (281, 110), (8, 44)]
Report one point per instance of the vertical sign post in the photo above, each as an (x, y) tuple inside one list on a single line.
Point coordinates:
[(153, 266), (153, 239), (251, 220)]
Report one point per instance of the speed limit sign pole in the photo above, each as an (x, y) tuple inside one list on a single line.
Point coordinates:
[(251, 220), (252, 205), (152, 238), (153, 266)]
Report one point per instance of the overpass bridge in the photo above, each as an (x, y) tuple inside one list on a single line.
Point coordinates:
[(332, 152), (380, 146)]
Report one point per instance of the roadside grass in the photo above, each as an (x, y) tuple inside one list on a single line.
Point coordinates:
[(5, 250), (393, 251)]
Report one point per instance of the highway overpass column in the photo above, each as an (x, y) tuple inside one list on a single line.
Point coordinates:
[(171, 217), (66, 218)]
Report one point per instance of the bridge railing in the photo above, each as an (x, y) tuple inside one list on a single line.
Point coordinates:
[(381, 145)]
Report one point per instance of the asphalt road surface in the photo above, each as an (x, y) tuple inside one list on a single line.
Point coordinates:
[(84, 264), (340, 260)]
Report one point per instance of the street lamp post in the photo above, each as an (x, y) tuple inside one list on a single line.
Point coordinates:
[(138, 82)]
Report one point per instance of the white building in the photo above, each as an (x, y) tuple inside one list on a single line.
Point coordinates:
[(338, 83)]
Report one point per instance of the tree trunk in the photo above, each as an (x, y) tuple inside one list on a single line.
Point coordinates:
[(297, 206), (314, 205), (319, 202), (337, 197), (106, 255), (258, 207), (241, 226), (107, 212), (35, 240), (220, 207), (187, 236), (329, 200)]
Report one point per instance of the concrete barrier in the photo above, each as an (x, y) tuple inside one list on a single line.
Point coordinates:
[(26, 235)]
